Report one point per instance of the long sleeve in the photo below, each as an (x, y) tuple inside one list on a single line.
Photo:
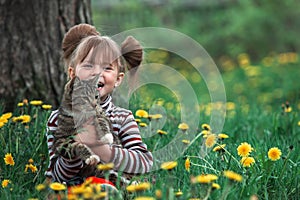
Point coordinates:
[(60, 169), (133, 157)]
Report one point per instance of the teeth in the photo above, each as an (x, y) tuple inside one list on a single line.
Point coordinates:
[(100, 85)]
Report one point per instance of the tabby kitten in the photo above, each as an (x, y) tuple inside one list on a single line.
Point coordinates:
[(79, 106)]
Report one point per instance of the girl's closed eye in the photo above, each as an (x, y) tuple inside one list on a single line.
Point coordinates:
[(108, 68)]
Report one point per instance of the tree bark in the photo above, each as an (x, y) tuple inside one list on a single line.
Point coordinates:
[(30, 47)]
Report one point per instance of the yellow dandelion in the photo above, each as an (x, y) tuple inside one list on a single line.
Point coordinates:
[(219, 147), (25, 101), (46, 106), (9, 160), (206, 127), (138, 120), (244, 149), (6, 115), (210, 140), (156, 116), (57, 186), (205, 133), (142, 124), (40, 187), (144, 198), (36, 102), (247, 161), (186, 141), (99, 195), (215, 186), (222, 136), (187, 164), (161, 132), (168, 165), (139, 187), (105, 167), (30, 161), (32, 167), (183, 126), (233, 176), (204, 178), (25, 119), (178, 193), (158, 193), (21, 104), (5, 183), (141, 113), (17, 119), (298, 123), (77, 189), (2, 124), (274, 154)]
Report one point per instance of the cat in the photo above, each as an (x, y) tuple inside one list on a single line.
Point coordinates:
[(80, 104)]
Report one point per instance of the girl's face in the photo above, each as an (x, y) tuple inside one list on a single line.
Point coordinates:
[(109, 75)]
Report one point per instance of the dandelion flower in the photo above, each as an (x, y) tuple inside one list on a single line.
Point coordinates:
[(233, 176), (158, 194), (204, 178), (210, 140), (168, 165), (57, 186), (138, 120), (206, 127), (222, 136), (247, 161), (105, 167), (36, 102), (30, 161), (187, 164), (186, 141), (178, 193), (40, 187), (274, 154), (142, 124), (139, 187), (5, 183), (183, 126), (144, 198), (25, 119), (6, 115), (219, 148), (9, 160), (156, 116), (21, 104), (141, 113), (215, 186), (244, 149), (161, 132), (46, 106), (32, 167), (298, 123)]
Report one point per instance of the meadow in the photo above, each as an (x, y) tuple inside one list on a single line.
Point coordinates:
[(253, 157)]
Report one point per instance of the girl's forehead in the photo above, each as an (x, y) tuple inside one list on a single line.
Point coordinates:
[(102, 56)]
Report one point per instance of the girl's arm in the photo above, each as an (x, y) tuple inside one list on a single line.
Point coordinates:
[(132, 158)]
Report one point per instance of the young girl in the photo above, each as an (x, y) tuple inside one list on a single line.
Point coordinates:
[(95, 54)]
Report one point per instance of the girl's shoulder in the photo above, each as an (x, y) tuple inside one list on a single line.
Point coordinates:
[(116, 110), (52, 120)]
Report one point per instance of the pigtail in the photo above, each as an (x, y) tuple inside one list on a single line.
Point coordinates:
[(132, 52)]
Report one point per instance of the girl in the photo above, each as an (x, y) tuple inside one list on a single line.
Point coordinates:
[(95, 54)]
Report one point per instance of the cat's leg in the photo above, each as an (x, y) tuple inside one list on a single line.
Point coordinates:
[(85, 153)]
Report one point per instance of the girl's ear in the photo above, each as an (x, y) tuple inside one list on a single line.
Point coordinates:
[(119, 79), (71, 72)]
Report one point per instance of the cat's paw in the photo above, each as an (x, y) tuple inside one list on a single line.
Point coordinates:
[(92, 160), (107, 139)]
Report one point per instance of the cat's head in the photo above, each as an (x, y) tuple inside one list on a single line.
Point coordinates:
[(86, 87)]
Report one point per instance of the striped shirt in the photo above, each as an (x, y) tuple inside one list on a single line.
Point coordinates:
[(132, 158)]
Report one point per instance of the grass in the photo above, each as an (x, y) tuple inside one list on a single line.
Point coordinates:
[(257, 112)]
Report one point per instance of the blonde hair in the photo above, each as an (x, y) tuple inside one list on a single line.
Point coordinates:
[(107, 51)]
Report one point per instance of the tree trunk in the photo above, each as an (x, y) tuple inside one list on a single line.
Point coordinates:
[(30, 47)]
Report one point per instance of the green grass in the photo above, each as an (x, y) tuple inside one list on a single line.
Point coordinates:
[(254, 114)]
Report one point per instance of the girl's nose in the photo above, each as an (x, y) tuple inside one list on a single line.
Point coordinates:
[(97, 70)]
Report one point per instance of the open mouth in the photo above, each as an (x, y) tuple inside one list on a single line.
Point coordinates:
[(100, 85)]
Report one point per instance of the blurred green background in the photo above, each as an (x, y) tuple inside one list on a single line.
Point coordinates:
[(225, 28)]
